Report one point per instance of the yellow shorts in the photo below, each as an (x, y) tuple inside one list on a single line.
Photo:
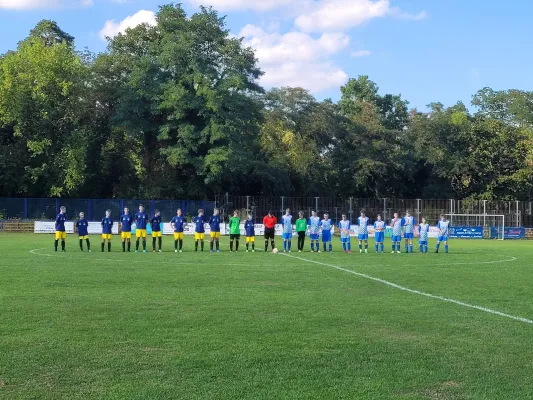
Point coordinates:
[(199, 236), (106, 236), (125, 235), (178, 235), (215, 235), (84, 237), (250, 239), (140, 233), (156, 234), (61, 235)]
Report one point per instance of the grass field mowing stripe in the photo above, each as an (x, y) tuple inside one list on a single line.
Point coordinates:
[(413, 291)]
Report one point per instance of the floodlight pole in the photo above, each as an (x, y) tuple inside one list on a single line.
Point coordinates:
[(484, 212), (351, 209), (316, 205), (282, 203), (384, 209), (517, 213)]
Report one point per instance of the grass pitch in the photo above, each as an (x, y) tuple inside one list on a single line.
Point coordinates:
[(264, 326)]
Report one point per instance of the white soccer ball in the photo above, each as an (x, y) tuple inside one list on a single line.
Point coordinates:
[(274, 251)]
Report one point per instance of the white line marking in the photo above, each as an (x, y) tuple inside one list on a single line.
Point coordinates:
[(432, 296), (35, 252), (482, 262)]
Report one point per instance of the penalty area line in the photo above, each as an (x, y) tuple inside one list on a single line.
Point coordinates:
[(417, 292)]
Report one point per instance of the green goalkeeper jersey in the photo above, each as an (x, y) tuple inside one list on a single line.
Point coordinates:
[(301, 225), (234, 226)]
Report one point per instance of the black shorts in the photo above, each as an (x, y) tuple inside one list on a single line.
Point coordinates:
[(269, 233), (235, 236)]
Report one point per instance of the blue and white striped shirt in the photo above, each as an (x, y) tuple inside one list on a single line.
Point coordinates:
[(397, 227), (314, 225), (379, 226), (443, 226)]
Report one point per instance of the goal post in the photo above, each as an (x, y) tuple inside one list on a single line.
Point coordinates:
[(494, 223)]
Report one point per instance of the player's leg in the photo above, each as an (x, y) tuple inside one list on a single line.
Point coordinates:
[(421, 245), (87, 241), (102, 245), (272, 239), (81, 243), (63, 239), (247, 243), (446, 245), (217, 240), (181, 235), (154, 240), (56, 242), (343, 242), (212, 242), (176, 240), (123, 242), (439, 239), (160, 241), (108, 243), (366, 244), (144, 240), (252, 239), (237, 240), (360, 244)]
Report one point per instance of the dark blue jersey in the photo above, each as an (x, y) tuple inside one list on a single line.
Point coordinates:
[(200, 224), (249, 227), (156, 223), (60, 222), (178, 223), (107, 226), (82, 226), (214, 223), (141, 218), (126, 220)]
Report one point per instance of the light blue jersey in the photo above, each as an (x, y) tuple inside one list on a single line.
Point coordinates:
[(327, 224), (344, 227), (314, 225), (286, 221), (424, 232), (362, 222), (379, 226), (444, 227), (409, 223), (397, 227)]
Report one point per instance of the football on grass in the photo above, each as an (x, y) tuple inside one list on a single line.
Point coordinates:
[(274, 251)]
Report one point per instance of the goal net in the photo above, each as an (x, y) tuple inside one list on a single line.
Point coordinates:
[(492, 224)]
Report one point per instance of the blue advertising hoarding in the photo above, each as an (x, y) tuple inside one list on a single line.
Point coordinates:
[(508, 233), (466, 232)]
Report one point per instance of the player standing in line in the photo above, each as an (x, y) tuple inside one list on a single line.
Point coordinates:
[(155, 223), (270, 222), (199, 232), (409, 231), (249, 229), (286, 221), (344, 227), (234, 231), (214, 224), (396, 224), (444, 227), (141, 219), (126, 220), (362, 236), (107, 230), (301, 228), (61, 233), (82, 225), (327, 226), (423, 236), (379, 227), (177, 224), (314, 231)]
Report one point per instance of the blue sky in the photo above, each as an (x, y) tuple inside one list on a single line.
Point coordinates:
[(439, 50)]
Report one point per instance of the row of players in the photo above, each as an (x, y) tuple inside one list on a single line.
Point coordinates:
[(319, 230)]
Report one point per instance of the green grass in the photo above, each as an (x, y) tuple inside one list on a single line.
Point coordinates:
[(263, 326)]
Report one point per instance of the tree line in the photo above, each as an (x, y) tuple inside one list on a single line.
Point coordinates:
[(175, 110)]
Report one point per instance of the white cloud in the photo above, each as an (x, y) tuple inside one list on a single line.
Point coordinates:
[(329, 15), (32, 4), (296, 58), (113, 28), (228, 5), (360, 53)]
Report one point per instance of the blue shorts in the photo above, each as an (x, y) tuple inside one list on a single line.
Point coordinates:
[(396, 239), (362, 236), (408, 235), (442, 238), (380, 237), (326, 237), (423, 242), (345, 240), (314, 236), (287, 236)]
